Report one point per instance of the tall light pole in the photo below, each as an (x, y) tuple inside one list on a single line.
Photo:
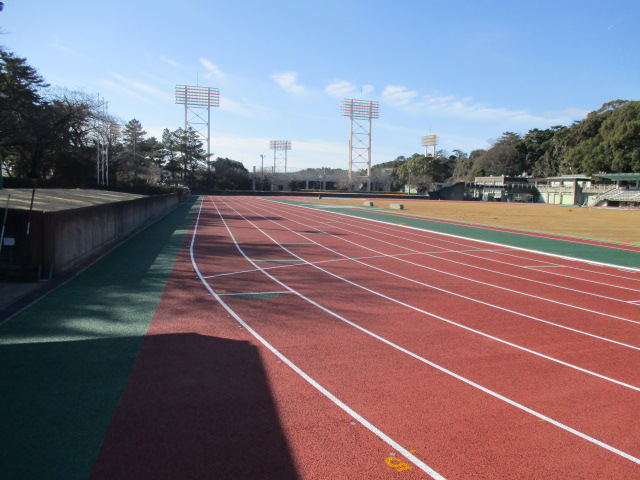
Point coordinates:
[(196, 100), (280, 161), (429, 141), (360, 113)]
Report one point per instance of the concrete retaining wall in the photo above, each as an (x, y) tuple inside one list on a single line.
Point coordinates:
[(59, 242)]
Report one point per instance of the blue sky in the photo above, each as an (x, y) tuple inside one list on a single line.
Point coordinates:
[(465, 70)]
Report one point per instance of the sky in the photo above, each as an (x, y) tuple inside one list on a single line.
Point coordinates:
[(467, 71)]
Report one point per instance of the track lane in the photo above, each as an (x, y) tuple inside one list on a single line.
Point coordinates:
[(602, 243), (259, 316), (454, 243), (627, 307), (288, 270), (445, 302), (414, 242), (557, 314)]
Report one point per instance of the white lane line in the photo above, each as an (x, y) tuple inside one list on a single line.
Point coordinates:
[(253, 270), (493, 285), (504, 250), (429, 234), (513, 403), (451, 322), (235, 294), (386, 226), (448, 250), (355, 415), (476, 300), (583, 269), (531, 280)]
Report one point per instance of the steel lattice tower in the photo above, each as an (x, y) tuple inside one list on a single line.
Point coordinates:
[(430, 140), (361, 113), (196, 101), (280, 159)]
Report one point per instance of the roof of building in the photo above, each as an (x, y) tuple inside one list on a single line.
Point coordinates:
[(567, 177), (614, 177)]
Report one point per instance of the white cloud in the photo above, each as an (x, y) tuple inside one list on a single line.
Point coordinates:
[(211, 69), (287, 81), (566, 117), (63, 48), (234, 107), (468, 109), (141, 87), (120, 88), (398, 96), (340, 89), (171, 62), (345, 88), (435, 104)]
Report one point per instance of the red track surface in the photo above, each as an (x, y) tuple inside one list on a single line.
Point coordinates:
[(297, 343)]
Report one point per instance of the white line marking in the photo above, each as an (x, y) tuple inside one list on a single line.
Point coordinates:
[(470, 298), (500, 273), (427, 362), (511, 247), (451, 322), (447, 250), (355, 415), (252, 293)]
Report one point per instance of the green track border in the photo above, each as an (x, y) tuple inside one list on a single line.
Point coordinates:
[(573, 249), (65, 360)]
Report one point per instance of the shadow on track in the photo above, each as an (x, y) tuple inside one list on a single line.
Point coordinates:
[(196, 407)]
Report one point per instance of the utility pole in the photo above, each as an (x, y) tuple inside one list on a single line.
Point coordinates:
[(262, 172)]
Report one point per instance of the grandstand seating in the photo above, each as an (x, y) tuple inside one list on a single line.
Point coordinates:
[(630, 195)]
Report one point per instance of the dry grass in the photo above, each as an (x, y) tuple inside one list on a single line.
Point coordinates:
[(608, 224)]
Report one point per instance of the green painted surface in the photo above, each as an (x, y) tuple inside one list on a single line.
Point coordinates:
[(65, 360), (584, 251)]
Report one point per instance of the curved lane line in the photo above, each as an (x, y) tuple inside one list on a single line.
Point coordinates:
[(376, 431), (530, 317), (486, 390), (538, 252), (490, 284), (451, 322)]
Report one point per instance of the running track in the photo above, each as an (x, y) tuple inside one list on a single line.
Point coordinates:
[(393, 352)]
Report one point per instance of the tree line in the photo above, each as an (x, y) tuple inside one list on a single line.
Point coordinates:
[(606, 141), (52, 136)]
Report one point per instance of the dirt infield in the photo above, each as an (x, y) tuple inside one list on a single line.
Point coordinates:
[(608, 224)]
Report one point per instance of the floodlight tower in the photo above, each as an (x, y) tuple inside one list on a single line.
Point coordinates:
[(279, 159), (196, 100), (360, 113), (429, 141)]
